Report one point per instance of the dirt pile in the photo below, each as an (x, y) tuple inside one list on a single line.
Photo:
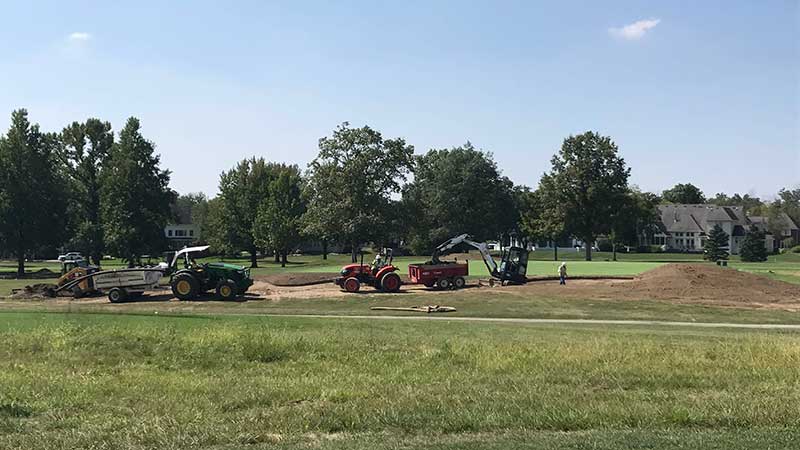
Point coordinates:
[(706, 281), (40, 290)]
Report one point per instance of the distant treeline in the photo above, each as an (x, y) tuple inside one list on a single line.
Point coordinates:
[(92, 190)]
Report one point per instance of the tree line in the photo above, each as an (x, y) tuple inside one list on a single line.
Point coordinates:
[(87, 188)]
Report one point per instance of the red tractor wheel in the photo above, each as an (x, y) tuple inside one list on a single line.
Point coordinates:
[(390, 282), (352, 284)]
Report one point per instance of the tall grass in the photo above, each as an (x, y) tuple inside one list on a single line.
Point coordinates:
[(145, 382)]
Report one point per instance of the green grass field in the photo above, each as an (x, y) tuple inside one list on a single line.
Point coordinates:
[(132, 382)]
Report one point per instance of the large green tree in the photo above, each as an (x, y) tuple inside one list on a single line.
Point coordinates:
[(541, 218), (685, 194), (459, 190), (789, 202), (350, 184), (135, 196), (753, 248), (242, 191), (85, 148), (636, 216), (278, 224), (716, 247), (587, 185), (32, 183)]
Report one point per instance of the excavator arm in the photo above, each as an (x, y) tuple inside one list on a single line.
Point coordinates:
[(464, 238)]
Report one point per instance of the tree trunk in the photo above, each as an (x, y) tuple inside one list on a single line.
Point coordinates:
[(614, 251), (353, 253), (253, 258), (277, 256), (324, 249), (588, 245), (20, 264), (555, 252), (283, 259)]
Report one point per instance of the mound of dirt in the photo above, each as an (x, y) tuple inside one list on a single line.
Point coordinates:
[(40, 290), (706, 281), (297, 279)]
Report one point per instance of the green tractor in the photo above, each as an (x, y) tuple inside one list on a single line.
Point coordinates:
[(228, 280)]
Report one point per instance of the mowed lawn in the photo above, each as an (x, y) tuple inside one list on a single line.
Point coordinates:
[(130, 382)]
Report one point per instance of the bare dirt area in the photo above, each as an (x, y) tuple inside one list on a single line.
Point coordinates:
[(683, 283), (676, 283)]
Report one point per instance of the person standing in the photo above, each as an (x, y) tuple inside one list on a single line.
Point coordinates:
[(562, 273)]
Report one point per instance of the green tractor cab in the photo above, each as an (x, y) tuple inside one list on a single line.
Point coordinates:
[(229, 281)]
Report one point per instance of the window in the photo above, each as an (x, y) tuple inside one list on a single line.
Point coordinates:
[(180, 233), (191, 233), (169, 233)]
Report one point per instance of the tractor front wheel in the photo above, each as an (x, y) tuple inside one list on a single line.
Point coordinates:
[(390, 282), (351, 284), (185, 286), (227, 290)]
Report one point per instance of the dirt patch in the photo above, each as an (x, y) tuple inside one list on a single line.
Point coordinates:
[(40, 290), (297, 279)]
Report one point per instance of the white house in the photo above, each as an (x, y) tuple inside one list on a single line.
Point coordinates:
[(181, 235)]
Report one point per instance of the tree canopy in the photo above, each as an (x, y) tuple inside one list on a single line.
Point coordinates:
[(586, 186), (32, 201), (278, 222), (716, 247), (458, 190), (684, 193), (135, 196), (350, 184)]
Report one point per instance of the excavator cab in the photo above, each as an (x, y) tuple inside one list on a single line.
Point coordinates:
[(514, 265)]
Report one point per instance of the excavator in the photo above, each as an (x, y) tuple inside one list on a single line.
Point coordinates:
[(513, 265)]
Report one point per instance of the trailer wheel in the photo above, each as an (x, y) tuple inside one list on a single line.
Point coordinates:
[(116, 295), (443, 283), (351, 284), (185, 286), (390, 282), (227, 290), (459, 283)]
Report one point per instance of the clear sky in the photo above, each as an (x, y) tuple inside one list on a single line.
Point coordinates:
[(701, 92)]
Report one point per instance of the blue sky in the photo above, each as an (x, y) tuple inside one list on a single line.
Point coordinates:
[(702, 92)]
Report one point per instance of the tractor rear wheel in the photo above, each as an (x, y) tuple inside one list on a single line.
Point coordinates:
[(459, 283), (390, 282), (227, 290), (443, 283), (185, 286), (351, 284)]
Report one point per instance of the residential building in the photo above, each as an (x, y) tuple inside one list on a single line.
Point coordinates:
[(788, 235), (181, 235), (686, 227)]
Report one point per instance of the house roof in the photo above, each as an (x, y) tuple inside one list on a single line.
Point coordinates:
[(764, 220), (680, 218)]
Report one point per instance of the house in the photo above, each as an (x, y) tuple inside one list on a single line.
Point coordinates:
[(789, 234), (181, 235), (686, 227)]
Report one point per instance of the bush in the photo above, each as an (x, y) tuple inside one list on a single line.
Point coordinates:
[(649, 249), (604, 245), (795, 249)]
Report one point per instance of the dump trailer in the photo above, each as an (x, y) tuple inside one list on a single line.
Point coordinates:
[(119, 285), (444, 275), (513, 261)]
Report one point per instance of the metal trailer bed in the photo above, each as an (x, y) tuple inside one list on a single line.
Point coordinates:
[(121, 284)]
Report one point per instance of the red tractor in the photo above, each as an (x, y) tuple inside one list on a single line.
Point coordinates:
[(380, 274)]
